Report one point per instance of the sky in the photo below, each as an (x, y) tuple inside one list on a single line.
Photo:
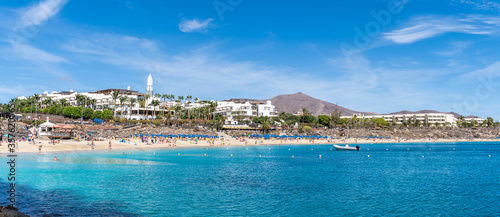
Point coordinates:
[(376, 56)]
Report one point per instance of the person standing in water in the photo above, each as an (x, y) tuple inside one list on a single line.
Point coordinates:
[(109, 147)]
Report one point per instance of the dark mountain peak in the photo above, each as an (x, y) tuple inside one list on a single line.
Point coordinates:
[(293, 103)]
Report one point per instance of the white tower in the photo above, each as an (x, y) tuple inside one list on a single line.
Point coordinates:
[(149, 90)]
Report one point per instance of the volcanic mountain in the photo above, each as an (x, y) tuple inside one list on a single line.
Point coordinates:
[(293, 103)]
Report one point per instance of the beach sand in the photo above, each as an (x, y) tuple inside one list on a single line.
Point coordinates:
[(68, 146)]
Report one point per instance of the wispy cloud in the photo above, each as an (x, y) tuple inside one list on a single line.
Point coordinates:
[(28, 52), (40, 12), (431, 26), (490, 72), (194, 25), (204, 71), (456, 47), (481, 4)]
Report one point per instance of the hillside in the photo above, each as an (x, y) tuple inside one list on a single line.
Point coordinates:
[(293, 103)]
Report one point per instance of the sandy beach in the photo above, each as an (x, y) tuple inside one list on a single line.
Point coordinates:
[(68, 146)]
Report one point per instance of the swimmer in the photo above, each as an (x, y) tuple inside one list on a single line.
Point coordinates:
[(55, 159)]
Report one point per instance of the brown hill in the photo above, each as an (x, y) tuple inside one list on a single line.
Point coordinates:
[(293, 103)]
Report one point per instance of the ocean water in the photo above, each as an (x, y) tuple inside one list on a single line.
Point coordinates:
[(446, 179)]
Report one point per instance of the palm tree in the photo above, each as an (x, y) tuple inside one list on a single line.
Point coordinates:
[(188, 98), (164, 96), (115, 95), (489, 121), (305, 113), (154, 103), (34, 98), (132, 101), (142, 104), (265, 126), (146, 99), (63, 102), (92, 103), (196, 99), (48, 102), (123, 100)]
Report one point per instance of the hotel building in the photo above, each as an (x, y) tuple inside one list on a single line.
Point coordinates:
[(429, 118)]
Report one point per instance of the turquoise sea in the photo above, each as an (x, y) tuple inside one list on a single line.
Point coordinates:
[(421, 179)]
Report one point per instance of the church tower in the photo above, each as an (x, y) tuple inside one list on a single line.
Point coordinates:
[(149, 90)]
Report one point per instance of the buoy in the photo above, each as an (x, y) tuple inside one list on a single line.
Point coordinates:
[(292, 156), (453, 148), (387, 149), (207, 148), (154, 153), (179, 154), (260, 155), (368, 149), (429, 149), (422, 156), (205, 154), (269, 148), (474, 149), (368, 155), (489, 155), (311, 149), (231, 155), (319, 156), (129, 153), (288, 149), (407, 149)]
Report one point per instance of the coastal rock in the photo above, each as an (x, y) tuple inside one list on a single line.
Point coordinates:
[(7, 211)]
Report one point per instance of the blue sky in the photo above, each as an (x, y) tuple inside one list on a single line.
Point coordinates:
[(380, 56)]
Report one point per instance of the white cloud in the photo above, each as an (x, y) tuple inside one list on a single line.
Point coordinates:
[(203, 72), (481, 4), (12, 90), (40, 12), (194, 25), (490, 72), (456, 47), (34, 54), (431, 26)]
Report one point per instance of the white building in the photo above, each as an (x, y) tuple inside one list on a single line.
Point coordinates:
[(104, 100), (478, 120), (244, 109), (430, 118)]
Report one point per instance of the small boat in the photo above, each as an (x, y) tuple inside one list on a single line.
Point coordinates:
[(346, 148)]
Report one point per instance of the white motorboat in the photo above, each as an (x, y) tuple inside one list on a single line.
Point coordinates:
[(346, 148)]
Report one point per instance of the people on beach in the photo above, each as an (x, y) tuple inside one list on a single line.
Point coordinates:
[(109, 147), (39, 149)]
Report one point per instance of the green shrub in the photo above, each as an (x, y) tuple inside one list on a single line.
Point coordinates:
[(88, 113), (52, 110), (107, 115), (97, 115)]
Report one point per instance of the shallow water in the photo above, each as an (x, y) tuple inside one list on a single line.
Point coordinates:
[(393, 181)]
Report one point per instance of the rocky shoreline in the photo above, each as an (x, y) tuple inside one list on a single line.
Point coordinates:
[(7, 211)]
